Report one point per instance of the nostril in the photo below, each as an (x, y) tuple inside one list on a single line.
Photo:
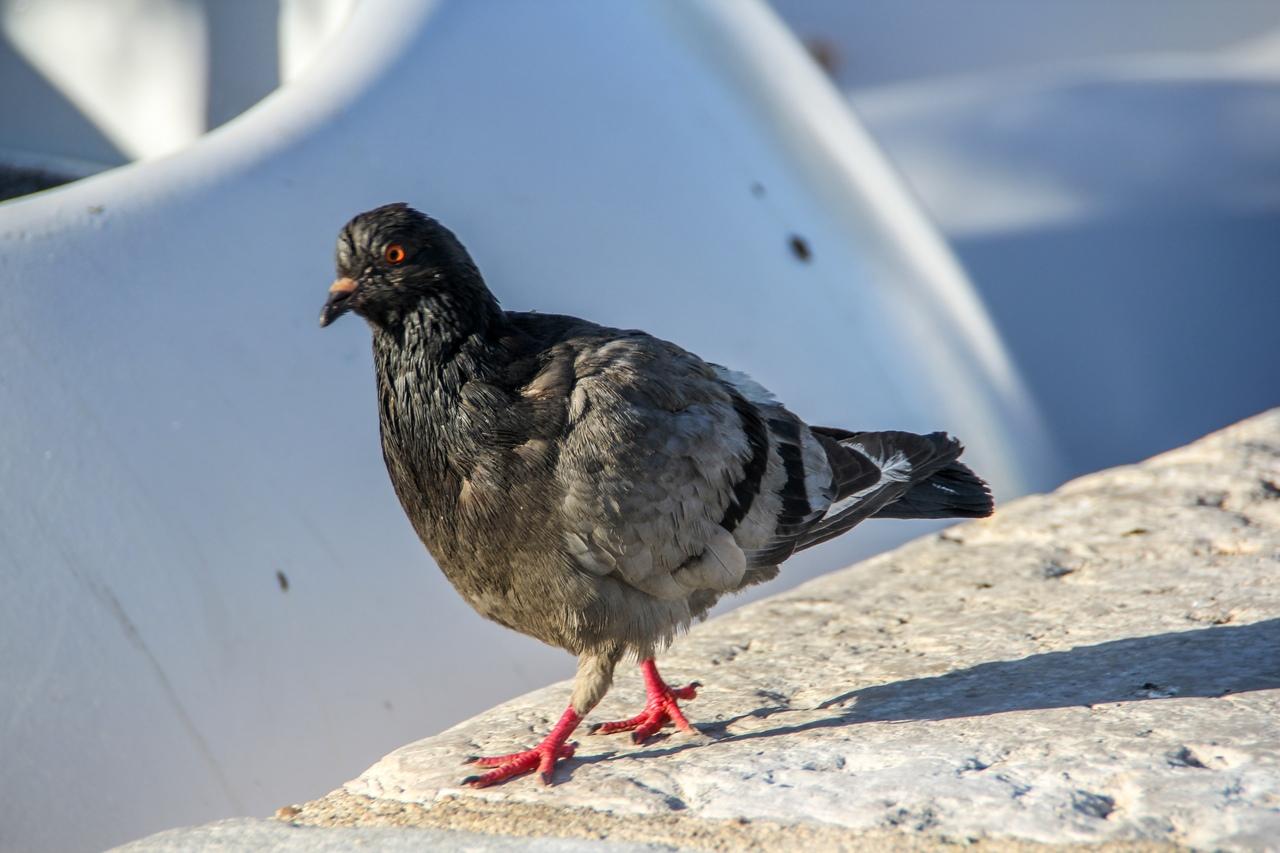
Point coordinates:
[(342, 287)]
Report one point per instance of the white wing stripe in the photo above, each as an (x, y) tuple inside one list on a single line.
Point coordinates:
[(895, 469)]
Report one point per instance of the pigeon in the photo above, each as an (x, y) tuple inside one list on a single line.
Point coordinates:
[(599, 489)]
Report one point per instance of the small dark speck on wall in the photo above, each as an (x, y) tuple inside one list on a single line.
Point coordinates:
[(800, 248), (757, 189), (826, 54), (283, 581)]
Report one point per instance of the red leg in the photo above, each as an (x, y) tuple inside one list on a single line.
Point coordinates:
[(661, 708), (543, 756)]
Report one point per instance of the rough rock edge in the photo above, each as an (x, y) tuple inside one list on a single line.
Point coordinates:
[(343, 809)]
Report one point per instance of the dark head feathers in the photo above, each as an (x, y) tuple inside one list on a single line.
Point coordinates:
[(394, 260)]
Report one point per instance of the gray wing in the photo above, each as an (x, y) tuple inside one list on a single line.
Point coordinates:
[(678, 476), (648, 467)]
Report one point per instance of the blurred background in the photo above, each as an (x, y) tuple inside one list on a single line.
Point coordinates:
[(1107, 175), (1049, 228)]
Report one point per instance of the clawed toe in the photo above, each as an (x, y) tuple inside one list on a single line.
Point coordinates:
[(660, 710), (542, 757), (689, 691)]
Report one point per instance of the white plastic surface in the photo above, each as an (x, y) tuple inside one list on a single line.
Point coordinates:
[(180, 438)]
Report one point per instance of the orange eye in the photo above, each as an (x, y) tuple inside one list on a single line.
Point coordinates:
[(395, 253)]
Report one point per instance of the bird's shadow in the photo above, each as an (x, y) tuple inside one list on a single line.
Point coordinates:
[(1207, 662)]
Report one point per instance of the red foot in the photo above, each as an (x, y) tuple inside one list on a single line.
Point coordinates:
[(543, 756), (660, 710)]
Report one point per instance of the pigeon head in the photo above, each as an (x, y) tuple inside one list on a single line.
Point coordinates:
[(393, 261)]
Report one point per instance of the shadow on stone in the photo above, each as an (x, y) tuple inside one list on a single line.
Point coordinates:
[(1208, 662)]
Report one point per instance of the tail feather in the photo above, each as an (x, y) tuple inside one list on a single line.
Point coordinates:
[(953, 492), (912, 476)]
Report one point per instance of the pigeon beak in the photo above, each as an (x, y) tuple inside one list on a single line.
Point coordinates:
[(339, 292)]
